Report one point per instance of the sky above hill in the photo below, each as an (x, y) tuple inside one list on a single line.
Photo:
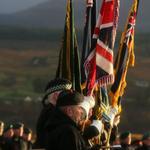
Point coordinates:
[(58, 6), (10, 6)]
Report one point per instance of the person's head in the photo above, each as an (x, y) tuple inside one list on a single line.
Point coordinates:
[(8, 131), (70, 103), (1, 127), (27, 134), (146, 139), (125, 138), (18, 129), (53, 89)]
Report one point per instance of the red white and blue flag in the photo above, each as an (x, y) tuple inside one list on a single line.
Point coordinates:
[(125, 56), (99, 63)]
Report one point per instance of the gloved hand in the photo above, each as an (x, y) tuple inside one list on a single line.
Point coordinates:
[(116, 120), (110, 115)]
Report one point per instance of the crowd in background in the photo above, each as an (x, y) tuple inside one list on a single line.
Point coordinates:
[(66, 122), (15, 137)]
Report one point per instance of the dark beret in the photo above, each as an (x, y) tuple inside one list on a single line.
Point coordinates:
[(18, 125), (146, 136), (69, 97), (124, 135), (10, 126), (57, 84), (27, 130)]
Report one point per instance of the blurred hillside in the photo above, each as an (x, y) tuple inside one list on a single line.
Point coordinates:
[(28, 59), (49, 14)]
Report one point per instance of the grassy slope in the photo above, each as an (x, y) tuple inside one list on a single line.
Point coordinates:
[(29, 60)]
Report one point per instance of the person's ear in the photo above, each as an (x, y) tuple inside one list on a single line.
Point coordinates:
[(69, 112)]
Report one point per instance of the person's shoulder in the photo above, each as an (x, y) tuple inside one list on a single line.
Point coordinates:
[(140, 148), (69, 129)]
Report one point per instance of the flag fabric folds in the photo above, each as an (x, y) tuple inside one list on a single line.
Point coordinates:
[(99, 63), (69, 62), (125, 56)]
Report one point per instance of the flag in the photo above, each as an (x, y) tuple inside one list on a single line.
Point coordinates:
[(125, 57), (87, 36), (99, 63), (69, 62)]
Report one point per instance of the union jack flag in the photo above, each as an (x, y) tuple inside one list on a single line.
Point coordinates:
[(99, 63)]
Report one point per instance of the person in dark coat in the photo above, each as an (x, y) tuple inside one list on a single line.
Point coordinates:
[(145, 141), (136, 143), (7, 141), (125, 140), (17, 138), (52, 90), (62, 128), (27, 136)]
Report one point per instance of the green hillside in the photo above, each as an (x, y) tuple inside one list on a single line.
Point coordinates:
[(28, 59)]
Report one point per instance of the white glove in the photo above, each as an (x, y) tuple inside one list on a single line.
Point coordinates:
[(112, 113)]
